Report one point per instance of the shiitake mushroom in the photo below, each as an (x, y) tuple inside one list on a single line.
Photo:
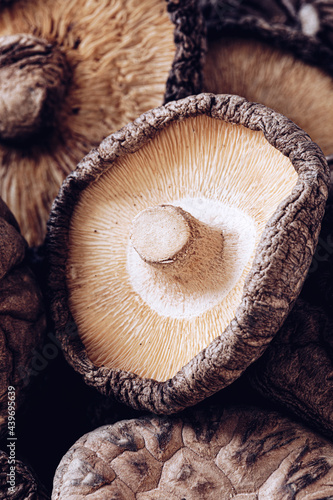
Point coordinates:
[(147, 332), (213, 453)]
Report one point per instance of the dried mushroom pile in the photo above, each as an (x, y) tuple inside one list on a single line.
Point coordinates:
[(184, 251)]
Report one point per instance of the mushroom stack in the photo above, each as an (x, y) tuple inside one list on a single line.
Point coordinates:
[(71, 72), (179, 246)]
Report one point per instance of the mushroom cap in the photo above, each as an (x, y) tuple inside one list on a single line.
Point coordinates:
[(119, 55), (236, 452), (22, 318), (258, 53), (274, 270), (26, 485)]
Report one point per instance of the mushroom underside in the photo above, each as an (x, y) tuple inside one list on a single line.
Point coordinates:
[(89, 241), (117, 59), (151, 314), (261, 73)]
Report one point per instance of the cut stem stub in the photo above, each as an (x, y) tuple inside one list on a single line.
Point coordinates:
[(33, 80), (170, 238)]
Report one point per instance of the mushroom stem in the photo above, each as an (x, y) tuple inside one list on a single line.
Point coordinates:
[(170, 238), (34, 75)]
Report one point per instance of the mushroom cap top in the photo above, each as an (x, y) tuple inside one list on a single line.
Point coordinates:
[(119, 55), (279, 263), (233, 452)]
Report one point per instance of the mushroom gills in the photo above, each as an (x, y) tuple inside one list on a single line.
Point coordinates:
[(275, 78), (148, 314)]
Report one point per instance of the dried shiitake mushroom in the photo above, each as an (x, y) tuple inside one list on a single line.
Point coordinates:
[(71, 73), (22, 319), (280, 60), (18, 481), (238, 452), (179, 246)]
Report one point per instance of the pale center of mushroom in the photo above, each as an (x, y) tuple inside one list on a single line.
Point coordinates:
[(162, 234), (184, 258)]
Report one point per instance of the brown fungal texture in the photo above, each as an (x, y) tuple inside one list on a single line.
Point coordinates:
[(297, 368), (26, 487), (34, 76), (99, 63), (241, 453), (22, 320), (281, 61), (97, 278)]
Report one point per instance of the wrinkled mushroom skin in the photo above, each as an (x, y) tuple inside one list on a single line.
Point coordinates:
[(275, 53), (27, 486), (272, 285), (185, 76), (22, 320), (297, 368), (241, 453), (33, 81), (102, 65)]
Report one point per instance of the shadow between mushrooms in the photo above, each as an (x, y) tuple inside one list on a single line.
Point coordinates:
[(71, 72), (20, 485), (237, 452), (22, 317), (233, 193)]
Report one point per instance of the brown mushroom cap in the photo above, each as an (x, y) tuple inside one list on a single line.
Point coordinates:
[(22, 318), (297, 368), (101, 184), (18, 481), (119, 55), (238, 452)]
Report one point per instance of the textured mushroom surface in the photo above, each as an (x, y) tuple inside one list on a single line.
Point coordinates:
[(18, 481), (297, 368), (281, 260), (114, 59), (34, 77), (276, 53), (241, 453), (22, 320)]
